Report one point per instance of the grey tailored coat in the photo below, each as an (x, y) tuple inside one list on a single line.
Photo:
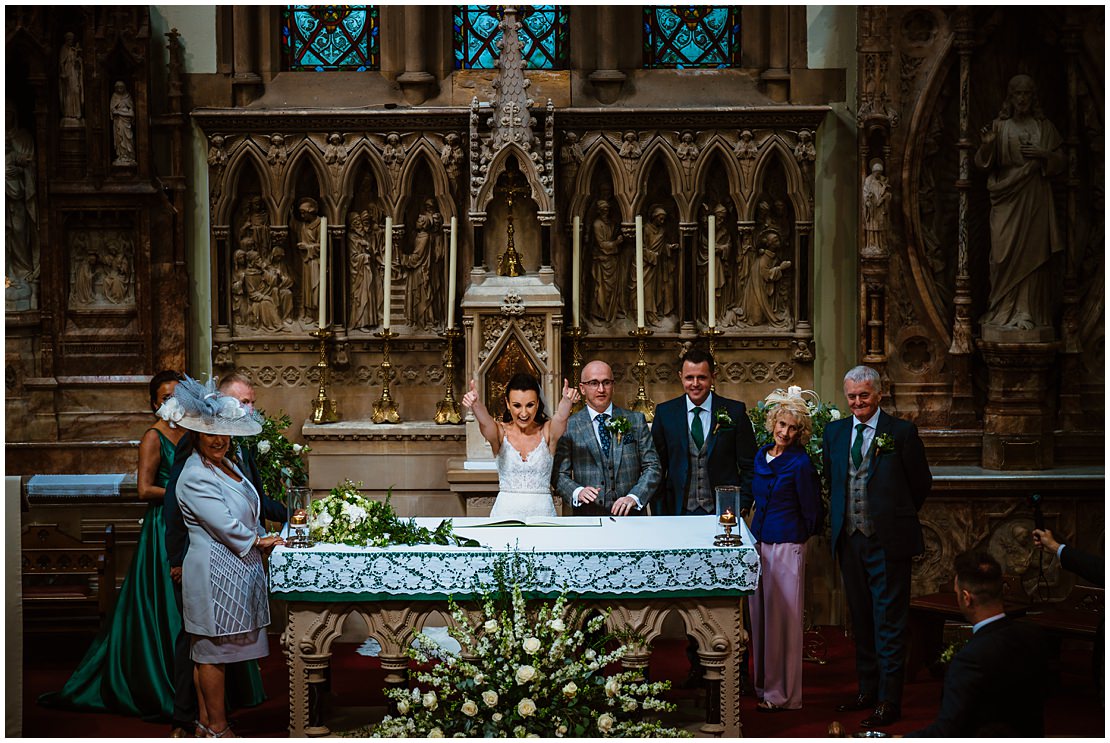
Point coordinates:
[(632, 465), (223, 582)]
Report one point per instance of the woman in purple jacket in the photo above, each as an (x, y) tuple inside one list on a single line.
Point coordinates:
[(786, 513)]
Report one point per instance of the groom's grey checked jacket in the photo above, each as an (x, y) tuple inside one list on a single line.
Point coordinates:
[(631, 468)]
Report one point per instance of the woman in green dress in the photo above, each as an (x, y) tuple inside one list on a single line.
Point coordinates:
[(129, 668)]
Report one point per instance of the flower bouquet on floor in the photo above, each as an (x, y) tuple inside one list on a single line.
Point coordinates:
[(280, 462), (525, 671)]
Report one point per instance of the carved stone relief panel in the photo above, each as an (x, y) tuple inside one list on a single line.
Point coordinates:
[(102, 265)]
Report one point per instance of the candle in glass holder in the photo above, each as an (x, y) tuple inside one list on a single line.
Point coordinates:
[(728, 518)]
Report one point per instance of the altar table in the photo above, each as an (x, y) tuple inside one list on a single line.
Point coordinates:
[(640, 568)]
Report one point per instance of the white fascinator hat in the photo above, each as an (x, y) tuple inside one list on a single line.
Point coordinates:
[(201, 408)]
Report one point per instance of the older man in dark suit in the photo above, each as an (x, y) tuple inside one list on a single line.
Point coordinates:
[(994, 687), (599, 468), (879, 479), (704, 440)]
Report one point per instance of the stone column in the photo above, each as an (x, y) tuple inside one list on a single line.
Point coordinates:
[(246, 83), (416, 83), (776, 77), (607, 78), (1017, 427)]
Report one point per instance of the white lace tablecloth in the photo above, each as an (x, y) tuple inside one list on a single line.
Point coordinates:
[(643, 557)]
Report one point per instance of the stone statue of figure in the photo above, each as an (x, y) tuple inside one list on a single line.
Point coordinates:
[(122, 109), (85, 284), (420, 300), (217, 155), (238, 284), (658, 273), (571, 156), (71, 82), (758, 305), (256, 226), (117, 272), (451, 157), (20, 214), (261, 295), (606, 271), (876, 211), (429, 228), (722, 255), (335, 153), (1021, 149), (278, 277), (365, 249), (687, 150), (393, 155), (278, 153), (308, 242)]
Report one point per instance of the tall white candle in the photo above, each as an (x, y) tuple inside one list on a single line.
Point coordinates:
[(323, 297), (451, 263), (712, 271), (387, 272), (639, 271), (575, 272)]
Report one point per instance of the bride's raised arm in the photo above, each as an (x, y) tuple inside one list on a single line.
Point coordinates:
[(486, 424), (562, 414)]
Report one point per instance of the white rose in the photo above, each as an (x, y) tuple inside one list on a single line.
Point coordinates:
[(479, 678), (532, 645), (526, 708), (560, 731), (524, 674), (436, 733), (557, 625), (297, 448), (834, 413), (612, 687), (590, 654), (490, 625), (263, 446), (430, 700), (469, 708), (403, 707), (324, 519), (496, 717), (570, 690), (605, 722), (490, 698), (171, 410), (629, 705)]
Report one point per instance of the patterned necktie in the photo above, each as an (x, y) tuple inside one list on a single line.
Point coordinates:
[(696, 430), (857, 447), (603, 434)]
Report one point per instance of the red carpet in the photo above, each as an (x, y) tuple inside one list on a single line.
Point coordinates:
[(1074, 709)]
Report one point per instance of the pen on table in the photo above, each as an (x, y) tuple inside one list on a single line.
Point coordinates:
[(612, 519)]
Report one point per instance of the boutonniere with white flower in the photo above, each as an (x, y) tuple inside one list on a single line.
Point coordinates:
[(618, 426), (723, 421), (884, 444)]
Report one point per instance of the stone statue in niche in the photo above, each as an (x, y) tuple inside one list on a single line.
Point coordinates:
[(71, 82), (745, 151), (308, 243), (687, 150), (570, 156), (658, 269), (761, 303), (262, 311), (86, 273), (277, 276), (429, 229), (255, 225), (722, 257), (217, 161), (420, 298), (805, 153), (607, 272), (393, 155), (335, 153), (876, 216), (21, 214), (277, 154), (117, 270), (451, 157), (630, 150), (366, 251), (1021, 149), (122, 110), (239, 304)]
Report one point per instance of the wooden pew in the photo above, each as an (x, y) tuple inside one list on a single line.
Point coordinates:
[(68, 585)]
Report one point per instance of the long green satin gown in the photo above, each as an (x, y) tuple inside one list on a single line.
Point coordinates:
[(129, 667)]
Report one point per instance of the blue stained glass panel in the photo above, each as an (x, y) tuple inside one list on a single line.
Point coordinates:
[(691, 36), (330, 37), (543, 36)]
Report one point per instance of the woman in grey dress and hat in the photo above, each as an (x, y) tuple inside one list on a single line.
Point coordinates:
[(223, 582)]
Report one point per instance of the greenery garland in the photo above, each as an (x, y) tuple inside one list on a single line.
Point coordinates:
[(280, 462)]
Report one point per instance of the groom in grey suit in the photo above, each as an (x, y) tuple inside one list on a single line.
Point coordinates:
[(598, 471)]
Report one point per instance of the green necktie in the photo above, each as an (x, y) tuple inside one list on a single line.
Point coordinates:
[(696, 429), (857, 447)]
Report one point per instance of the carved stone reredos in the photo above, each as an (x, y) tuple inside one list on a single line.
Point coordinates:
[(510, 129)]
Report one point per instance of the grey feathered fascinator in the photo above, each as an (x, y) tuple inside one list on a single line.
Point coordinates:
[(202, 408)]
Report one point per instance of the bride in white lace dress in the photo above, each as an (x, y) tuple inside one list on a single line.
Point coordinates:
[(524, 443)]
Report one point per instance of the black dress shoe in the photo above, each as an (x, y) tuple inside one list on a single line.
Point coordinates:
[(885, 714), (862, 701)]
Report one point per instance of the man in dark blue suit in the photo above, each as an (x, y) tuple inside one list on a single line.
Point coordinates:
[(177, 543), (879, 479), (993, 687), (704, 441)]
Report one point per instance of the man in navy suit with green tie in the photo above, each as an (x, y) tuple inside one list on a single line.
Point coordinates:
[(878, 478)]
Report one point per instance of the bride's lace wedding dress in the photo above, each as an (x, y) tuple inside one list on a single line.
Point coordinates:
[(525, 482)]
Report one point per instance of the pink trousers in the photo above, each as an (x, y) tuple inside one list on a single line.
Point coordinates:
[(776, 609)]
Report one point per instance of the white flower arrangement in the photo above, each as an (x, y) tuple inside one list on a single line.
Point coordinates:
[(525, 672), (171, 411)]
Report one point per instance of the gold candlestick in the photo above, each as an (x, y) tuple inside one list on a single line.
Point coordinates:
[(576, 333), (323, 407), (642, 403), (711, 333), (447, 409), (385, 409)]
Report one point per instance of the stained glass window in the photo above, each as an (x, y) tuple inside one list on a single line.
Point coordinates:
[(330, 37), (543, 36), (685, 36)]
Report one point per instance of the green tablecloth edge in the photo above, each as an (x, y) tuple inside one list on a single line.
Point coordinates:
[(331, 598)]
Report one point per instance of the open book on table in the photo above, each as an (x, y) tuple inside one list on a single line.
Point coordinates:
[(543, 521)]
